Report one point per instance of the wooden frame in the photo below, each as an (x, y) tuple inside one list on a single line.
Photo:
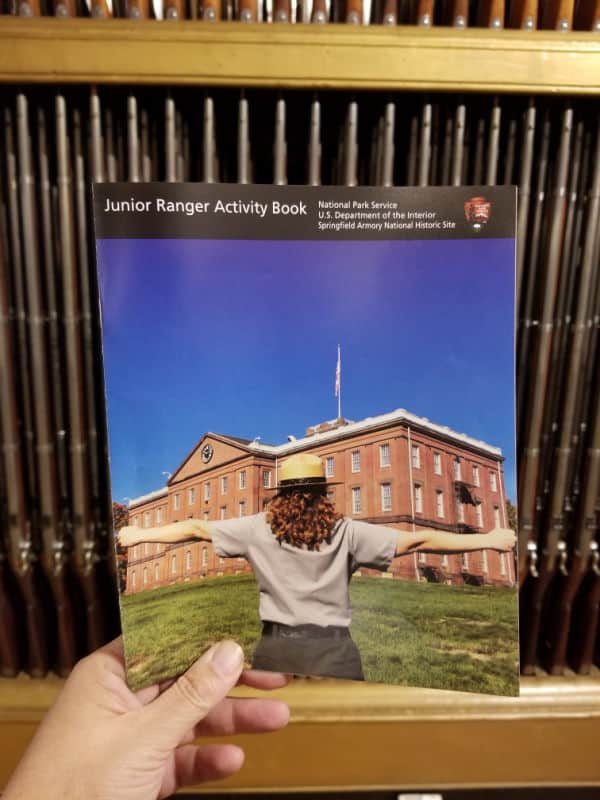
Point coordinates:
[(546, 737), (334, 56)]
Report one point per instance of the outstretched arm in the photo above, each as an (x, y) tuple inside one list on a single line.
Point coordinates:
[(166, 534), (430, 540)]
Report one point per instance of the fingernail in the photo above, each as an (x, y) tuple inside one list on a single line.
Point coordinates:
[(227, 658)]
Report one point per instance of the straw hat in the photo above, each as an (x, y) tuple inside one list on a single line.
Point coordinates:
[(302, 470)]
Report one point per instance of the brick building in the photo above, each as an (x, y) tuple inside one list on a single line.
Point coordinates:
[(395, 469)]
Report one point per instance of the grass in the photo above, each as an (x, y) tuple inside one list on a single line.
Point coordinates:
[(444, 637)]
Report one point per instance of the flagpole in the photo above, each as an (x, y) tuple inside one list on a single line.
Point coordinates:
[(340, 384)]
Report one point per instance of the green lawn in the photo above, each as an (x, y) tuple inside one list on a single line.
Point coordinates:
[(444, 637)]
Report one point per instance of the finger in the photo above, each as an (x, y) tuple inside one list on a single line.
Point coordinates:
[(258, 679), (241, 715), (150, 693), (194, 764), (176, 711)]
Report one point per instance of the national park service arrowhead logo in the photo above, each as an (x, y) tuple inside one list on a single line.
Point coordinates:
[(477, 212)]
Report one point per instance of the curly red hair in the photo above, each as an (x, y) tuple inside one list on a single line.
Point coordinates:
[(302, 519)]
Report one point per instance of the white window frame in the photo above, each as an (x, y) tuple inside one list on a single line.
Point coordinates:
[(242, 479), (497, 520), (266, 478), (224, 484), (437, 462), (479, 513), (177, 501), (503, 570), (157, 548), (484, 561), (415, 455), (422, 557), (223, 512), (191, 496), (493, 481), (242, 508), (439, 503), (188, 560), (476, 477), (418, 495), (460, 510), (158, 515), (204, 557), (174, 564), (133, 579), (356, 500), (207, 490), (385, 457), (329, 467), (156, 573), (457, 466), (136, 521), (146, 519), (355, 461), (386, 496), (465, 561), (145, 577), (445, 560)]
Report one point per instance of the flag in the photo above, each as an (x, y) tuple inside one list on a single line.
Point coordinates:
[(338, 374)]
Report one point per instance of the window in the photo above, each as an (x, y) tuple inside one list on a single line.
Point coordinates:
[(356, 500), (158, 515), (439, 502), (266, 478), (460, 507), (479, 512), (422, 557), (356, 461), (331, 495), (457, 473), (223, 512), (224, 483), (177, 501), (207, 491), (205, 556), (205, 516), (133, 579), (437, 463), (329, 466), (221, 561), (493, 482), (136, 522), (174, 564), (484, 561), (503, 564), (444, 561), (476, 480), (384, 455), (156, 573), (465, 561), (497, 523), (191, 496), (157, 548), (386, 496), (418, 498), (243, 479), (242, 508), (146, 546), (146, 519), (145, 576), (416, 456)]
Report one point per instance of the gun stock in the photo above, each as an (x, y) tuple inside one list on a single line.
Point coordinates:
[(523, 15)]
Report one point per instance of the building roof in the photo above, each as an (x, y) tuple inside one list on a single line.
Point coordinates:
[(146, 498), (370, 423)]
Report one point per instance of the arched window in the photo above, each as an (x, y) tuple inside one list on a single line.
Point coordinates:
[(156, 573), (173, 564), (205, 556), (188, 560)]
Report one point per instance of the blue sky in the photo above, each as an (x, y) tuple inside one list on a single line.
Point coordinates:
[(240, 337)]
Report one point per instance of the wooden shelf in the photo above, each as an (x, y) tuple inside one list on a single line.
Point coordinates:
[(233, 54), (366, 736)]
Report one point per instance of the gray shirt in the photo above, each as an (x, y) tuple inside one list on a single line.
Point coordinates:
[(298, 587)]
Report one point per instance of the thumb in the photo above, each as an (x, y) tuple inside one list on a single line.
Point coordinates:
[(175, 712)]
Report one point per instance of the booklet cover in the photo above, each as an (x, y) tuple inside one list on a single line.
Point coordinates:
[(311, 422)]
